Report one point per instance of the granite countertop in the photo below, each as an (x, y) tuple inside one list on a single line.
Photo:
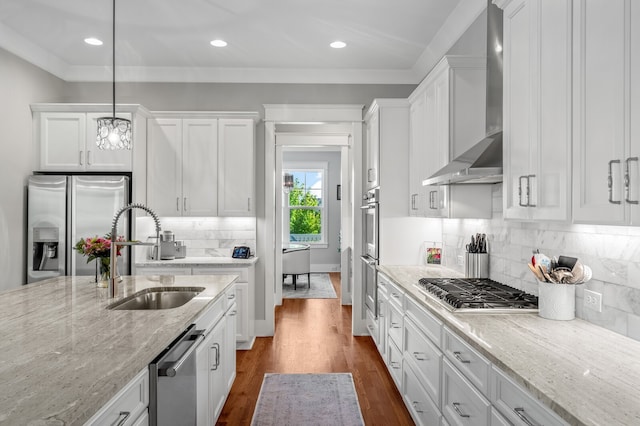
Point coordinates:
[(588, 375), (197, 261), (64, 355)]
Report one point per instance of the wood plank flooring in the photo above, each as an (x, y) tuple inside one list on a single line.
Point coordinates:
[(314, 336)]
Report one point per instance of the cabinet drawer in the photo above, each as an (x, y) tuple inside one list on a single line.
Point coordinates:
[(474, 366), (497, 419), (396, 320), (396, 295), (230, 295), (162, 270), (212, 315), (425, 357), (383, 283), (127, 405), (462, 404), (422, 408), (242, 273), (395, 363), (517, 405), (372, 326), (430, 325)]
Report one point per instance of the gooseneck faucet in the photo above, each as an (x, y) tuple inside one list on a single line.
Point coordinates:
[(115, 244)]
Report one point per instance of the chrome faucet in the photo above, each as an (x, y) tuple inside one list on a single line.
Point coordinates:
[(115, 244)]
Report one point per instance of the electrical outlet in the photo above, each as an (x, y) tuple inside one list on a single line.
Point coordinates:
[(593, 300), (460, 260)]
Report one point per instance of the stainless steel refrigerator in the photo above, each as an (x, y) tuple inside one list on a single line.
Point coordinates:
[(62, 209)]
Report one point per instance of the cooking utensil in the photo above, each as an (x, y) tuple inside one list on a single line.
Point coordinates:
[(536, 272)]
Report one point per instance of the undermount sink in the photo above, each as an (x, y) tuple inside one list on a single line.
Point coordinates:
[(157, 298)]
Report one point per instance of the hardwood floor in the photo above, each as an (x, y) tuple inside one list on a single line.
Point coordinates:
[(314, 336)]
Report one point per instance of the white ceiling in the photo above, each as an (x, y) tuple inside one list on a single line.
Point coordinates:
[(388, 41)]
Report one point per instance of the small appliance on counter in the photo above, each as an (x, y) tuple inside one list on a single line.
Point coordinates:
[(169, 248)]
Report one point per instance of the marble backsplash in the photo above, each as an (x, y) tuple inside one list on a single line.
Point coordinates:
[(204, 236), (612, 252)]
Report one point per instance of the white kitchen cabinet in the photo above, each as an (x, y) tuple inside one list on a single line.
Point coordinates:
[(158, 270), (229, 351), (606, 119), (462, 403), (475, 367), (182, 178), (236, 167), (537, 109), (65, 138), (447, 118), (518, 405), (372, 150), (128, 407), (421, 407), (424, 357)]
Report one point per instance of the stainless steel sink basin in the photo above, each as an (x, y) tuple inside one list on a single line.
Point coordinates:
[(157, 298)]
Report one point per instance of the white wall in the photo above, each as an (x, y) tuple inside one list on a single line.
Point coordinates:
[(21, 84), (325, 256)]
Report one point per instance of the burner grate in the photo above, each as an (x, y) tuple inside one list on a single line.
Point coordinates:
[(478, 293)]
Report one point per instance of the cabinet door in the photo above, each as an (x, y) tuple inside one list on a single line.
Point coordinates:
[(236, 167), (199, 167), (517, 107), (62, 141), (599, 110), (105, 159), (229, 349), (203, 368), (373, 151), (242, 316), (164, 166), (418, 154), (217, 381), (437, 144), (634, 118)]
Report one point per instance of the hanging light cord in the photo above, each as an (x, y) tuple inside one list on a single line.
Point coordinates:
[(113, 56)]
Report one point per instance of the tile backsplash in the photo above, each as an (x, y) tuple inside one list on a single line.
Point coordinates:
[(612, 252), (204, 236)]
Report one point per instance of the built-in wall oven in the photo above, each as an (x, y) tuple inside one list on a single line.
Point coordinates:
[(371, 248)]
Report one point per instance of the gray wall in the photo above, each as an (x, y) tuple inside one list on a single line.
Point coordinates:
[(21, 84), (329, 255)]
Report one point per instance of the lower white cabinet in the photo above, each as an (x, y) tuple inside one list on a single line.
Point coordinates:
[(462, 403), (497, 419), (423, 410), (425, 357), (128, 407), (394, 362), (215, 358)]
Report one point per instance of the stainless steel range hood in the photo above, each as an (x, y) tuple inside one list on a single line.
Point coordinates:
[(482, 163)]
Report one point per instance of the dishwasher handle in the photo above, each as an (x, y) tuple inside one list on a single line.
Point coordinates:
[(172, 369)]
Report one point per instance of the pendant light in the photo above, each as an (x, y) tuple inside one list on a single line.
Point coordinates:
[(114, 133)]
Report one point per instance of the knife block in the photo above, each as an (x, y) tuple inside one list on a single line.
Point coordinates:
[(476, 265)]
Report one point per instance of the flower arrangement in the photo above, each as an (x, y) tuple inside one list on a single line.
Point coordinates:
[(99, 248)]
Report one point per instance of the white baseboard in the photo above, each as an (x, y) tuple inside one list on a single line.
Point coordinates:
[(328, 267)]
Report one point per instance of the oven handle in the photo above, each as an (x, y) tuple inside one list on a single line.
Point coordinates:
[(172, 370), (368, 260), (369, 206)]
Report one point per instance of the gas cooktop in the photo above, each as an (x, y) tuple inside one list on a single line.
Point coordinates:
[(477, 295)]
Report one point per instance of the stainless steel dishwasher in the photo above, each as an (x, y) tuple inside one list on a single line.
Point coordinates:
[(172, 389)]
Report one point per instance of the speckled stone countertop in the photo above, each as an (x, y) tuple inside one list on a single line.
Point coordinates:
[(198, 261), (64, 355), (588, 375)]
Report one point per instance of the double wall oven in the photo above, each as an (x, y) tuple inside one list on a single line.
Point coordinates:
[(371, 248)]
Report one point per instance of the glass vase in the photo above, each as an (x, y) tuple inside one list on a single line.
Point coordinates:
[(104, 271)]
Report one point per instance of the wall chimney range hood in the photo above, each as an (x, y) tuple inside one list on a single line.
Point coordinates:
[(482, 163)]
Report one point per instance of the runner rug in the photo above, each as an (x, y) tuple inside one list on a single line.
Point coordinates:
[(307, 399), (321, 287)]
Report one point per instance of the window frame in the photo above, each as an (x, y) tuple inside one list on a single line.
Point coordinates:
[(306, 167)]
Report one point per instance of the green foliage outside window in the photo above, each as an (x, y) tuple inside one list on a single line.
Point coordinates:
[(304, 220)]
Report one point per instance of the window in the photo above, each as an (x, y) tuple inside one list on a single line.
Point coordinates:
[(306, 206)]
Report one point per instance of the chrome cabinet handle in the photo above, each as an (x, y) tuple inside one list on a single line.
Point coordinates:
[(233, 313), (433, 204), (627, 181), (122, 418), (610, 181), (395, 325), (529, 190), (177, 204), (184, 204), (520, 203), (523, 416), (413, 201), (395, 365), (216, 346), (415, 407), (249, 204), (81, 157), (456, 406), (420, 356), (459, 358), (231, 296), (88, 158)]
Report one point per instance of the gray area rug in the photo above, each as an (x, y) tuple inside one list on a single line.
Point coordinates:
[(307, 399), (321, 288)]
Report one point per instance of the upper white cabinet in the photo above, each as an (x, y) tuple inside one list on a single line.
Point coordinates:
[(372, 150), (606, 119), (447, 118), (65, 136), (201, 166), (537, 109), (236, 167)]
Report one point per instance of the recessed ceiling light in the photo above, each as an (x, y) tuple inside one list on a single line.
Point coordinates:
[(93, 41), (338, 44), (218, 43)]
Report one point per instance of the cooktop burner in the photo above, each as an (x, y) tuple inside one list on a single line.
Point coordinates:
[(475, 294)]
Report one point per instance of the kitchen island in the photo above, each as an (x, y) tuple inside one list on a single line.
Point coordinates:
[(64, 355), (586, 374)]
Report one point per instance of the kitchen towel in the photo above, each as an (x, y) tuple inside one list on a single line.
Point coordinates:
[(307, 399)]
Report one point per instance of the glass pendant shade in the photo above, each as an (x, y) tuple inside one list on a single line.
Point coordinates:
[(114, 133)]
